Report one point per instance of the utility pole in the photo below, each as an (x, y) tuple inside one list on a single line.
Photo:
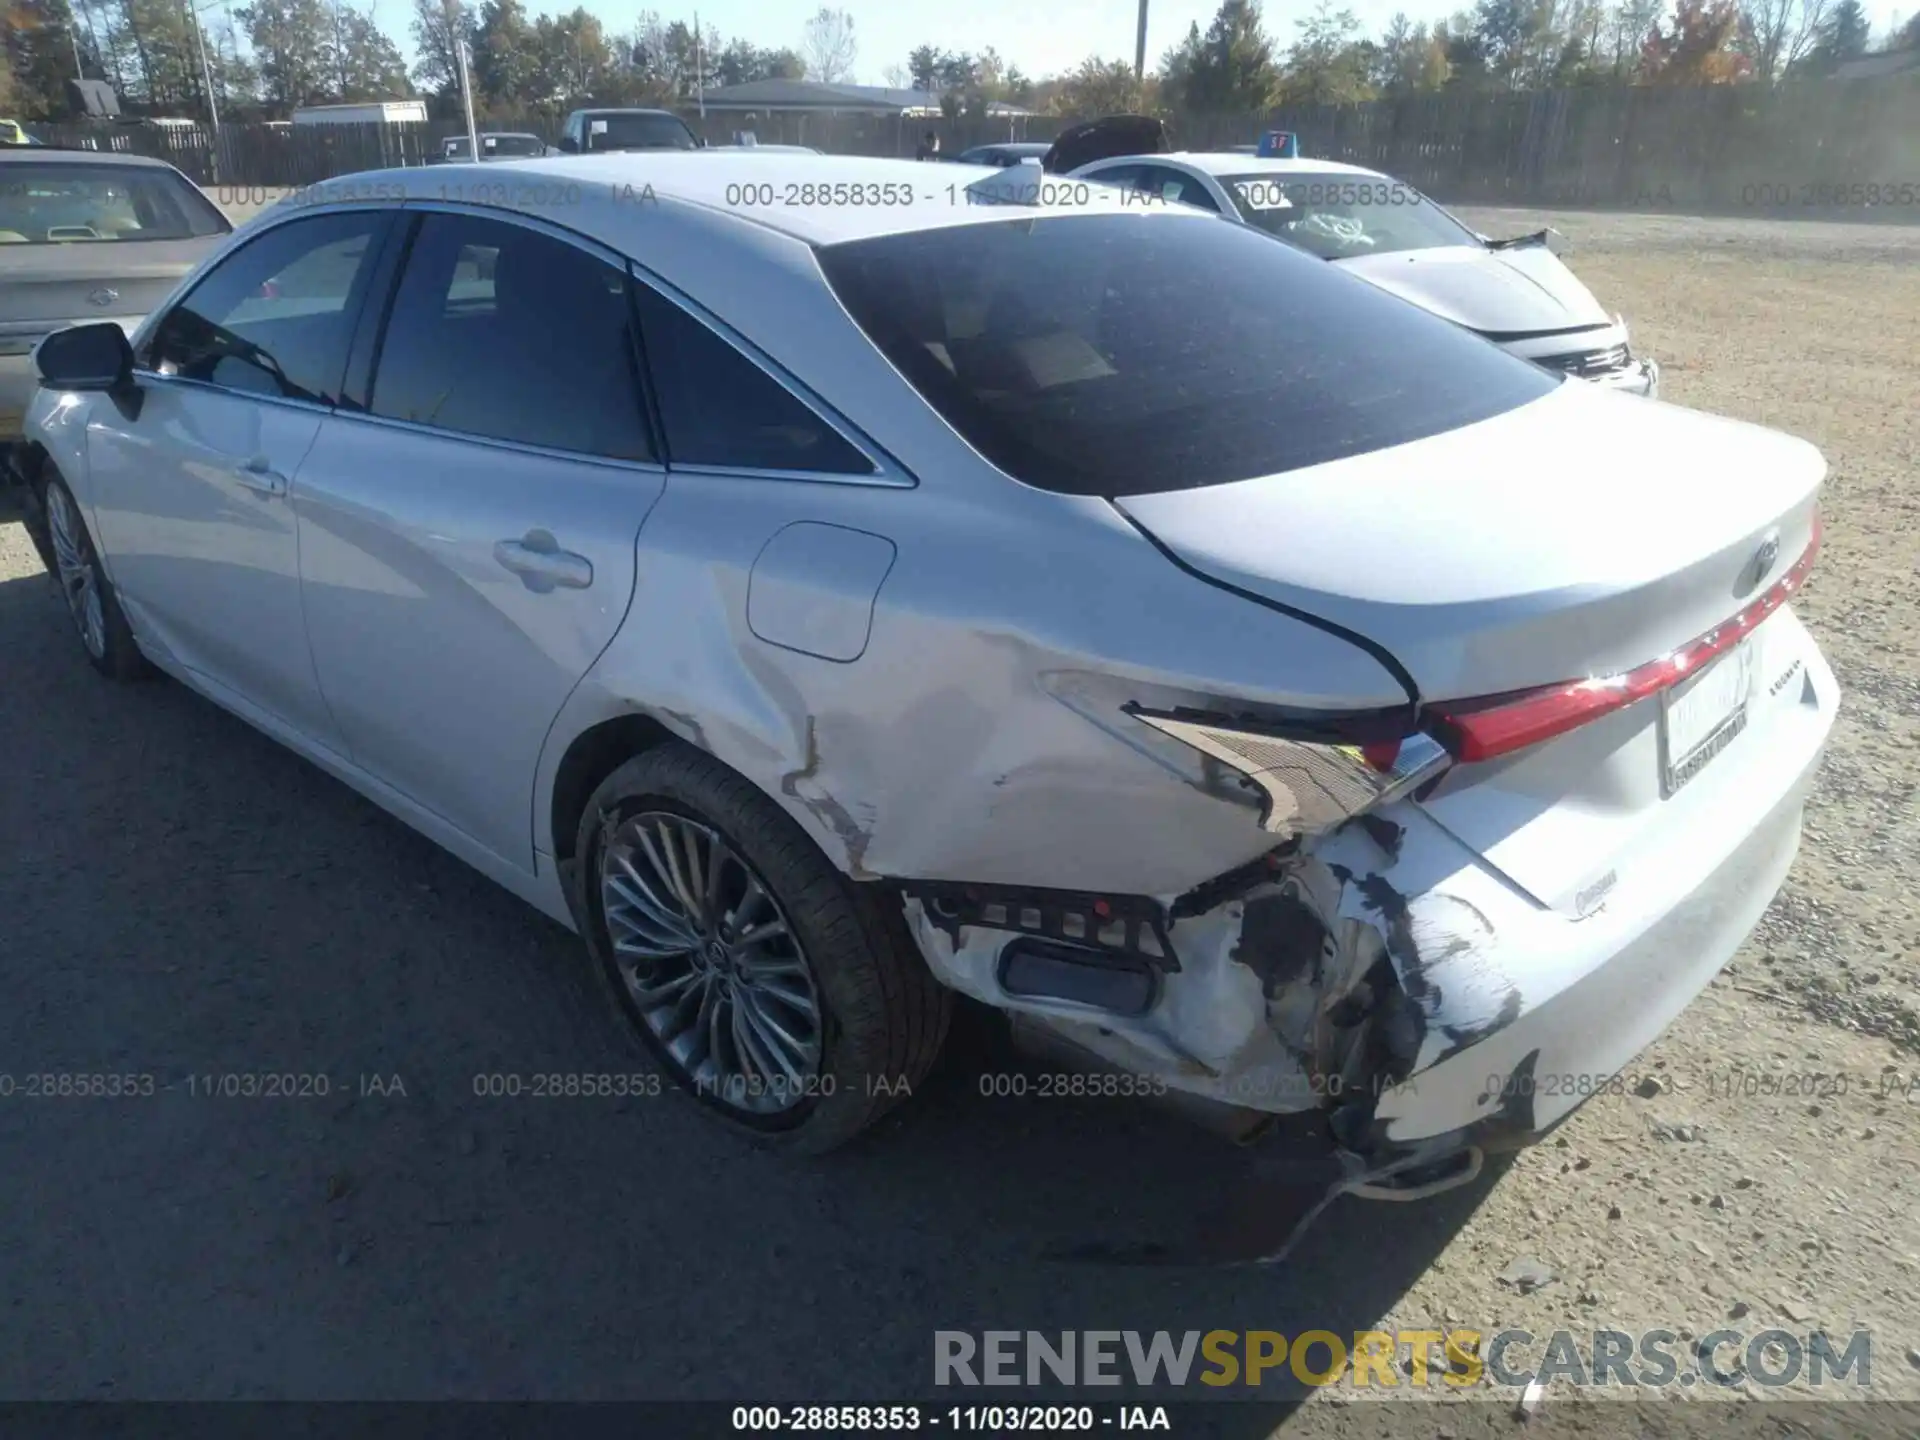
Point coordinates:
[(457, 31), (73, 34), (1140, 46), (206, 79), (700, 71)]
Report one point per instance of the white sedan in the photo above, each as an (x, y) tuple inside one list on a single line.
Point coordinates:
[(1517, 293), (1249, 680)]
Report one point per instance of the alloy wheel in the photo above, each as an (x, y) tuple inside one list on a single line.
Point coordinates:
[(711, 963), (76, 572)]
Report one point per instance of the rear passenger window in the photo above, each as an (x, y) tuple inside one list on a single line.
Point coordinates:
[(508, 334), (720, 408)]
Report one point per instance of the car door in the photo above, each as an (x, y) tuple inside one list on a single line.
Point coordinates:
[(190, 489), (468, 517)]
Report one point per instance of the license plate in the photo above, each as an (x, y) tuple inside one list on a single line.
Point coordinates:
[(1702, 715)]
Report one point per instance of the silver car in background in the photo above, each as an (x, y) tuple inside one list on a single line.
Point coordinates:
[(88, 235), (1253, 682), (1518, 293)]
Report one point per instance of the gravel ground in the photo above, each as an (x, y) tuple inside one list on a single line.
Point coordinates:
[(182, 898)]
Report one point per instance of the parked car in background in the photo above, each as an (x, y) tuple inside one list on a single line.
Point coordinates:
[(1010, 152), (1252, 681), (494, 145), (88, 235), (13, 133), (1517, 292), (594, 131)]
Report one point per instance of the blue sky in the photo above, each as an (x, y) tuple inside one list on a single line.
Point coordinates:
[(1042, 37)]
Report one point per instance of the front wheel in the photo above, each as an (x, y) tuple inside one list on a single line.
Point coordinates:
[(783, 996), (88, 593)]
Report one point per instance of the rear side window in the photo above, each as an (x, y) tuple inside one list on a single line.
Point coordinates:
[(720, 408), (1170, 187), (508, 334), (277, 315), (1128, 354)]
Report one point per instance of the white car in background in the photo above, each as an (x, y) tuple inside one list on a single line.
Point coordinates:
[(1517, 292)]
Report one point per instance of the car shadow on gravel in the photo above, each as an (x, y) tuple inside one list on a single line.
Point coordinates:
[(330, 1177)]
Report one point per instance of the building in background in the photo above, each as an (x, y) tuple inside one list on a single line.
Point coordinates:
[(378, 112), (782, 110)]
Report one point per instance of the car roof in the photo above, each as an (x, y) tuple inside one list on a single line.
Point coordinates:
[(51, 155), (609, 196), (624, 110), (1225, 162), (1019, 147)]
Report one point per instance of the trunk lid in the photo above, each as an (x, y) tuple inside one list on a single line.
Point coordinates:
[(1103, 139), (69, 282), (1506, 293), (1581, 535)]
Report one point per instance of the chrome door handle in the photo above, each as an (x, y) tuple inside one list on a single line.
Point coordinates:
[(541, 564), (258, 477)]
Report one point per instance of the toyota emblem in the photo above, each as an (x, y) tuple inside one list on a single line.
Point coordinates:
[(105, 295), (1761, 565)]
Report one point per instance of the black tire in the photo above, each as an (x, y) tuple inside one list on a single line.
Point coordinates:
[(884, 1016), (111, 649)]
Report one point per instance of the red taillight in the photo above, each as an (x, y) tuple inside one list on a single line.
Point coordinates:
[(1484, 729), (1381, 754)]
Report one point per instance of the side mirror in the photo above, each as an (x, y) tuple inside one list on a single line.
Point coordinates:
[(86, 357), (700, 142), (569, 144)]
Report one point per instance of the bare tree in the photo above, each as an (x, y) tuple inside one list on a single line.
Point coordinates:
[(896, 77), (1628, 26), (829, 46), (1783, 32)]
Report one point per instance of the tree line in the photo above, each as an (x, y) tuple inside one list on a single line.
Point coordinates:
[(1237, 66), (266, 57)]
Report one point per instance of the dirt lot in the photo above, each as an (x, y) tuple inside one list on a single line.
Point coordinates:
[(181, 898)]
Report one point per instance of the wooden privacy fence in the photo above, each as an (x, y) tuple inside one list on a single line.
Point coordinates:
[(254, 154), (1851, 147)]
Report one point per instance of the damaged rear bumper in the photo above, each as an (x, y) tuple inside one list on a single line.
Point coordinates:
[(1392, 979)]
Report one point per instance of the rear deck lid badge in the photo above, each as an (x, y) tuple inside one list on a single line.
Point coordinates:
[(1760, 566)]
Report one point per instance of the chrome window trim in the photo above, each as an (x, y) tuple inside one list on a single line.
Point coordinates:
[(887, 473), (507, 215), (184, 382), (882, 481), (494, 442)]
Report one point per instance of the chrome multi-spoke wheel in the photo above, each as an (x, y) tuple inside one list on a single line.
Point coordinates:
[(79, 580), (711, 962)]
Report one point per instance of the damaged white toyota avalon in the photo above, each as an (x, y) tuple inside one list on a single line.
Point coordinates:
[(827, 593)]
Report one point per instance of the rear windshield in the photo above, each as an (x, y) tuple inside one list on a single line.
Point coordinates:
[(48, 204), (496, 145), (638, 132), (1127, 354), (1339, 216)]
